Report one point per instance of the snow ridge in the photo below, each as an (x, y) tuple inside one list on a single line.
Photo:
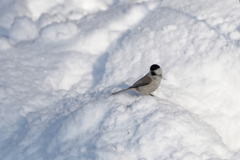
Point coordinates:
[(61, 60)]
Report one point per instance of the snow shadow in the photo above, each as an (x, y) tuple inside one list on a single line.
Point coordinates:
[(99, 68), (46, 137), (15, 138)]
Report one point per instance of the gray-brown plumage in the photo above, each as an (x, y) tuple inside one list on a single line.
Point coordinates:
[(147, 84)]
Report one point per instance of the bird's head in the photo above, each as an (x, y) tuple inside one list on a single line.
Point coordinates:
[(155, 70)]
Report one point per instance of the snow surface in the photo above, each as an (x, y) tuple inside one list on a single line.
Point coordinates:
[(61, 60)]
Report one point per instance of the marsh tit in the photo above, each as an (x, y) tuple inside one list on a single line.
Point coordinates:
[(147, 84)]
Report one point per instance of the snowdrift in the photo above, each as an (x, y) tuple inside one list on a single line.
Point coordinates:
[(61, 60)]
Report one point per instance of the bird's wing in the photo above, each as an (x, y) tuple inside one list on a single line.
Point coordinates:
[(142, 82)]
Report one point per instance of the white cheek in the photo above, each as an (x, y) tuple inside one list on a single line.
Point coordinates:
[(158, 71)]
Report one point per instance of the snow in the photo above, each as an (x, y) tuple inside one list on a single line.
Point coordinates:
[(58, 31), (61, 60), (4, 43), (22, 29)]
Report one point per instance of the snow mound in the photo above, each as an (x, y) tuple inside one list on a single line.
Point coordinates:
[(61, 60), (58, 31), (76, 68), (37, 8), (4, 43), (120, 124), (47, 19), (120, 127), (23, 29)]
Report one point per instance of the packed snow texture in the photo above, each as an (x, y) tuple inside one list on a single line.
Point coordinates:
[(61, 60)]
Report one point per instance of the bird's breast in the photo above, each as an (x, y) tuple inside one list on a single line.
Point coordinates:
[(148, 89)]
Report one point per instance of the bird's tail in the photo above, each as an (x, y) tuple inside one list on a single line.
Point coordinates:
[(123, 90)]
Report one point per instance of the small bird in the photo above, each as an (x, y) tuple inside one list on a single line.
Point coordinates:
[(147, 84)]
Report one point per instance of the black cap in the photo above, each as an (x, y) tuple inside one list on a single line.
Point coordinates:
[(154, 67)]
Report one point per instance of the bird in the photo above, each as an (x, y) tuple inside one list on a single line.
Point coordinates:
[(147, 84)]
